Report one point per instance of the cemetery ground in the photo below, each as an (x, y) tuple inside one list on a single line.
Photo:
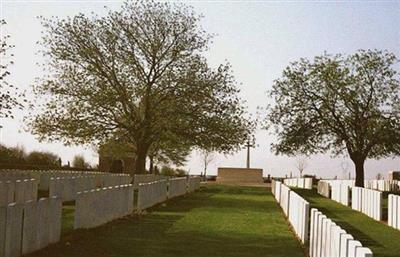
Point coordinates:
[(215, 221), (378, 236)]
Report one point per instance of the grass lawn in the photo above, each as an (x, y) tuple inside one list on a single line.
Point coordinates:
[(216, 221), (383, 240)]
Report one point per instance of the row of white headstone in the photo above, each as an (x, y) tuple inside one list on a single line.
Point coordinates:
[(146, 178), (13, 175), (327, 239), (305, 183), (18, 191), (193, 184), (382, 185), (30, 226), (394, 211), (340, 192), (43, 177), (367, 201), (177, 187), (99, 206), (150, 194), (68, 188), (294, 207), (101, 179)]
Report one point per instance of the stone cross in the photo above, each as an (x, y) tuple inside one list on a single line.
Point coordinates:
[(248, 145)]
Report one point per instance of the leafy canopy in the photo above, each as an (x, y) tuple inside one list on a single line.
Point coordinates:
[(339, 103), (10, 97), (139, 73)]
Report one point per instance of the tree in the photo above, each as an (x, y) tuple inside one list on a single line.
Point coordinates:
[(140, 72), (10, 98), (169, 150), (79, 162), (338, 104), (43, 158), (207, 158), (301, 164), (15, 155)]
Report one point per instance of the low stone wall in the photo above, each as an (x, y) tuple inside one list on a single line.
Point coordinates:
[(96, 207), (150, 194), (28, 227), (177, 187), (145, 178), (18, 191), (193, 183), (240, 175)]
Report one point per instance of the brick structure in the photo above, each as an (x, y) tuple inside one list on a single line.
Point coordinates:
[(111, 164), (240, 175), (394, 175)]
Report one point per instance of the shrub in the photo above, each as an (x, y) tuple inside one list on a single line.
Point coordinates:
[(79, 162), (12, 154), (167, 171), (43, 158)]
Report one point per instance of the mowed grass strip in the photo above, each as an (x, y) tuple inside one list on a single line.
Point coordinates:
[(216, 221), (383, 240)]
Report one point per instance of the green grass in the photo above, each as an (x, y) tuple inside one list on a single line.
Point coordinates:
[(383, 240), (216, 221), (67, 223)]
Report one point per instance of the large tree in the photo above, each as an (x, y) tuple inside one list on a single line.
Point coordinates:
[(141, 72), (10, 97), (337, 104)]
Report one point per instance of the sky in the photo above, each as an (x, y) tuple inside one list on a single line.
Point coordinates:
[(259, 39)]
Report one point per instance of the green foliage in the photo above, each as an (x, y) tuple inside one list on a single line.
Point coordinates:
[(10, 97), (79, 162), (43, 158), (12, 154), (168, 171), (339, 104), (138, 74), (181, 172)]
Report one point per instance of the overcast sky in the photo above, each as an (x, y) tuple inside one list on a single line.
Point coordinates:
[(259, 38)]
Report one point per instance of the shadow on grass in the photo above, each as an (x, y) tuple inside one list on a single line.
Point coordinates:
[(380, 238), (217, 221)]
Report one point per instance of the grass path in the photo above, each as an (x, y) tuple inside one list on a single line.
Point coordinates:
[(217, 221), (383, 240)]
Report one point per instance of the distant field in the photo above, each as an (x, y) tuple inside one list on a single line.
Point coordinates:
[(380, 238), (217, 221)]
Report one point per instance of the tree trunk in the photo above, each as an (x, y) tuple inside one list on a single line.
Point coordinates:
[(359, 164), (151, 168), (140, 162)]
